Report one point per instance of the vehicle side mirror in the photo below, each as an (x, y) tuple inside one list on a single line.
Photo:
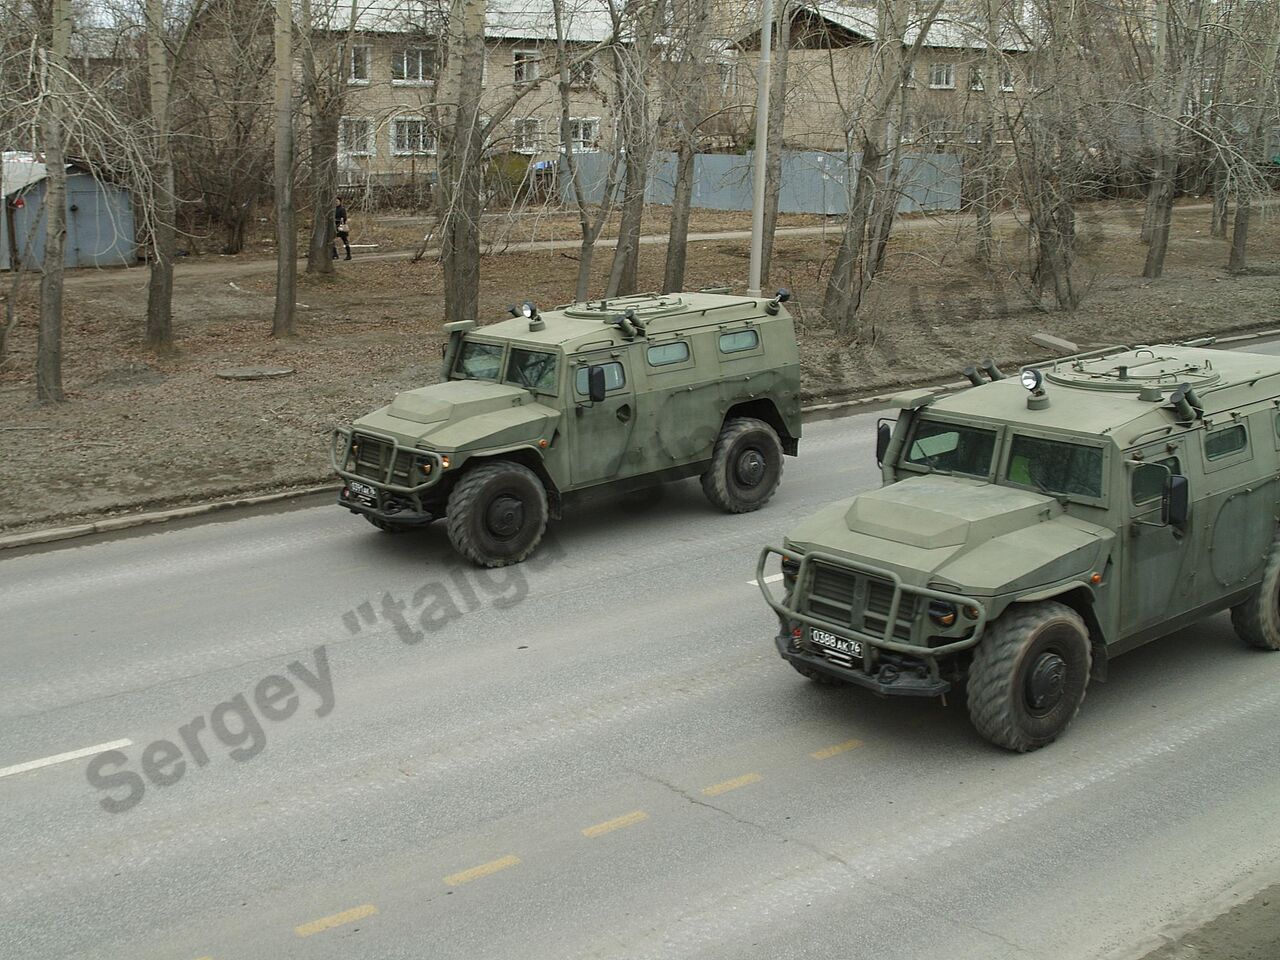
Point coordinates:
[(595, 384), (1175, 501), (883, 433)]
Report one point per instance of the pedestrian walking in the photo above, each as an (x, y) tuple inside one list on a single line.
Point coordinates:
[(342, 228)]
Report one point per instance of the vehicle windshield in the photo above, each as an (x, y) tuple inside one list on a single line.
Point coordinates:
[(951, 448), (479, 361), (1055, 466), (534, 369)]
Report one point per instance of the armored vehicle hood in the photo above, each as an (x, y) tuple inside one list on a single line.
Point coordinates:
[(956, 533), (461, 413)]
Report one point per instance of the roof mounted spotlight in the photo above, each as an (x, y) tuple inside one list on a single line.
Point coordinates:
[(1033, 380), (991, 370), (782, 296), (513, 310), (529, 311), (973, 376)]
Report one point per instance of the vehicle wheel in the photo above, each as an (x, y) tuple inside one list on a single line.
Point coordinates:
[(1028, 675), (497, 513), (1257, 619), (387, 526), (817, 676), (746, 465)]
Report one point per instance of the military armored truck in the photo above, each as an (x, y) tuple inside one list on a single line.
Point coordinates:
[(1029, 529), (619, 394)]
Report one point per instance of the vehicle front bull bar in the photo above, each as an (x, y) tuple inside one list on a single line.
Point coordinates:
[(885, 641)]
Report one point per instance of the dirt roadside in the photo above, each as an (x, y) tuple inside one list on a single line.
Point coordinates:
[(1249, 931), (140, 431)]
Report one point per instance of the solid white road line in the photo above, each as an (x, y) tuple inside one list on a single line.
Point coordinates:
[(774, 579), (63, 757)]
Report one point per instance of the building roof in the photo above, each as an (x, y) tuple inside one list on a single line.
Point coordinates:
[(944, 32), (585, 21), (20, 170)]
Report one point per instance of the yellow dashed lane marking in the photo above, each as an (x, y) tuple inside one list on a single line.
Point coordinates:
[(835, 749), (716, 789), (336, 920), (626, 820), (475, 873)]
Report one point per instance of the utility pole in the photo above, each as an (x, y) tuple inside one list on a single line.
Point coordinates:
[(758, 160)]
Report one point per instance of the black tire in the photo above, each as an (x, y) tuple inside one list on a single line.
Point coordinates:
[(1257, 619), (497, 513), (809, 673), (746, 466), (1029, 674), (388, 526)]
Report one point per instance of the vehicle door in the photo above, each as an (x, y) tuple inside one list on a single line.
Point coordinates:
[(600, 433), (1159, 559)]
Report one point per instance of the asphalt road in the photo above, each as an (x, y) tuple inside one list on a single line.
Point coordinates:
[(595, 755)]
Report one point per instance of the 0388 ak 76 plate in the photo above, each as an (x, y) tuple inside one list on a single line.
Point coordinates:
[(363, 491), (824, 639)]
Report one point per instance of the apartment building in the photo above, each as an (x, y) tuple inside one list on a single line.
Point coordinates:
[(388, 129), (831, 51)]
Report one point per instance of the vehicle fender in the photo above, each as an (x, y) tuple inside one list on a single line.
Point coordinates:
[(522, 453)]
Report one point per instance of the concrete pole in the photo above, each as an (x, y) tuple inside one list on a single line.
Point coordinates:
[(762, 135)]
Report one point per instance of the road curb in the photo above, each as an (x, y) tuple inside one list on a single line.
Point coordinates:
[(816, 411)]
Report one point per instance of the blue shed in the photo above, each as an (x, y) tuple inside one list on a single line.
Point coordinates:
[(100, 227)]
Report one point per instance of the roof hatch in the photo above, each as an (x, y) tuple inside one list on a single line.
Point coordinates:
[(648, 306), (1141, 369)]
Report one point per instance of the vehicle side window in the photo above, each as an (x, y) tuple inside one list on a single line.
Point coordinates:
[(1148, 480), (662, 354), (615, 377), (1223, 443), (739, 340)]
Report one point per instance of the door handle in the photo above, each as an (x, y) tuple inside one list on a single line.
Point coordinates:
[(624, 412)]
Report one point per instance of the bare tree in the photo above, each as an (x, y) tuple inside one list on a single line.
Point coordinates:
[(686, 102), (53, 122), (286, 235), (633, 64), (1262, 105), (873, 197), (589, 226), (777, 121)]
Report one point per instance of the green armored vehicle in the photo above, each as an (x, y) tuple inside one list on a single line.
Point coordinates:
[(1030, 529), (618, 394)]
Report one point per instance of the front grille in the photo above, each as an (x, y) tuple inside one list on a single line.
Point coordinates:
[(373, 457), (858, 601), (836, 657)]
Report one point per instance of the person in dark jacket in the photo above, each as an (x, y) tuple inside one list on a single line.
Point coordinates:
[(341, 228)]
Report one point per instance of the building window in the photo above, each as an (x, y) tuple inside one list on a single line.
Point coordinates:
[(412, 135), (527, 135), (359, 72), (525, 65), (973, 132), (942, 76), (907, 129), (582, 74), (1006, 77), (355, 136), (585, 134), (975, 78), (936, 131), (727, 77), (413, 65)]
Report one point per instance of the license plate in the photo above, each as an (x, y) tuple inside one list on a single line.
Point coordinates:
[(852, 647), (363, 491)]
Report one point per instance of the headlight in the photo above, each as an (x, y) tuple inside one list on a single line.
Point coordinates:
[(790, 568), (943, 614)]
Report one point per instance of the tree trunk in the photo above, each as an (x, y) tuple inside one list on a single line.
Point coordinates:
[(159, 332), (16, 269), (49, 342), (324, 185), (1239, 261), (458, 197), (1160, 215), (773, 159), (626, 256), (286, 233), (1221, 204), (844, 286), (681, 201)]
